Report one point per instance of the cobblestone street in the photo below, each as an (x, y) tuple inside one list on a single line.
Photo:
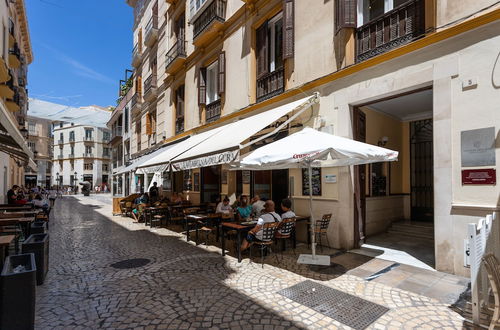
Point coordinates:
[(184, 286)]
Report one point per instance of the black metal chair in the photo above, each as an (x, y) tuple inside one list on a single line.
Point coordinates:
[(268, 232), (156, 216), (284, 232), (321, 228)]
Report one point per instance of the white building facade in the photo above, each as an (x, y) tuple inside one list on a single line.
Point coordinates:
[(81, 153)]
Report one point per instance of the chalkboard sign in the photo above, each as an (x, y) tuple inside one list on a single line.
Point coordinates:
[(196, 181), (245, 175), (316, 181), (187, 180)]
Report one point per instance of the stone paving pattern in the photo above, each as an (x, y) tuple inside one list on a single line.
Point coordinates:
[(187, 287)]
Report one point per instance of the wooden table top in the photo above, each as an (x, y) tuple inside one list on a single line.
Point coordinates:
[(6, 240), (237, 226)]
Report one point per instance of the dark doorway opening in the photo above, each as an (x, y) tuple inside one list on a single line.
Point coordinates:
[(210, 184), (422, 174), (279, 187)]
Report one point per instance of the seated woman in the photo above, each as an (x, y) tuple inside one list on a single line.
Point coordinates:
[(140, 204), (41, 203), (244, 210)]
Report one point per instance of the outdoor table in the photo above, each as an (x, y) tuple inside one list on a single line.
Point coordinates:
[(226, 226), (149, 212), (23, 222), (193, 218), (22, 213), (4, 246), (10, 208), (208, 219)]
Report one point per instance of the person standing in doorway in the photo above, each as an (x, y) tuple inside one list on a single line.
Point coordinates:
[(153, 193)]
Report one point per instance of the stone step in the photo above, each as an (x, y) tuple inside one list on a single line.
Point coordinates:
[(412, 230)]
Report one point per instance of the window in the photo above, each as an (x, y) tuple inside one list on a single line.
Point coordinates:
[(105, 135), (371, 9), (125, 119), (72, 136), (88, 166), (32, 128), (72, 150), (179, 110), (88, 150), (274, 44), (60, 124), (61, 137), (316, 181), (151, 123), (105, 152), (105, 167), (88, 134), (31, 145), (195, 5), (211, 81)]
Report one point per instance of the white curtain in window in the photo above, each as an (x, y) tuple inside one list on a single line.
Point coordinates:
[(212, 92)]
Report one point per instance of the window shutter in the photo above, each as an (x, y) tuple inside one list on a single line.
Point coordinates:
[(221, 84), (345, 14), (262, 59), (138, 85), (202, 86), (288, 28), (149, 131), (191, 8), (180, 102), (139, 41)]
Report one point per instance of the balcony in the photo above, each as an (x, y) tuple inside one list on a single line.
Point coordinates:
[(150, 88), (397, 27), (179, 125), (71, 139), (88, 155), (213, 111), (271, 84), (12, 33), (136, 55), (209, 22), (71, 156), (176, 56), (15, 57), (60, 157), (88, 138), (151, 31), (106, 155), (116, 134), (14, 103), (7, 89), (60, 141), (136, 102)]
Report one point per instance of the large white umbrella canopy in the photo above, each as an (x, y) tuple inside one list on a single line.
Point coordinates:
[(311, 148), (317, 149)]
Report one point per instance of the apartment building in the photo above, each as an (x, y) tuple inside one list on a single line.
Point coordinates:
[(81, 153), (40, 142), (15, 56), (215, 79)]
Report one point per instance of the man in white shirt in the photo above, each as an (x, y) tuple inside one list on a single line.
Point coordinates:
[(224, 207), (257, 205), (286, 206), (255, 234)]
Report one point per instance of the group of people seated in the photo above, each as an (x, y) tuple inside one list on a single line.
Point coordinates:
[(37, 196), (264, 211), (153, 197)]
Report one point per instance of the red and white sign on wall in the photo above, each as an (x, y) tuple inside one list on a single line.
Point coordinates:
[(479, 176)]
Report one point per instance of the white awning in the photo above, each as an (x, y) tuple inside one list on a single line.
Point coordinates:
[(141, 160), (224, 146), (160, 162)]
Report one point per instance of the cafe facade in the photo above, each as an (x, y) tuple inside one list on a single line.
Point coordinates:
[(427, 87)]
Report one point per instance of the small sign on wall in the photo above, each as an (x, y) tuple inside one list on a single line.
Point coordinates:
[(479, 176), (478, 147), (330, 178)]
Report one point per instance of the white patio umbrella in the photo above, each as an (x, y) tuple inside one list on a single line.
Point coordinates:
[(310, 148)]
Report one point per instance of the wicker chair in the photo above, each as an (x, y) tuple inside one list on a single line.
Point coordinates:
[(493, 268), (268, 232), (284, 232)]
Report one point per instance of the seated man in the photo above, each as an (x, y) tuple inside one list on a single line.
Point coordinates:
[(141, 203), (286, 206), (12, 194), (257, 205), (224, 207), (255, 234)]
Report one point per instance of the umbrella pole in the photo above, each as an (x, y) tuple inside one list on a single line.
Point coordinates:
[(313, 224)]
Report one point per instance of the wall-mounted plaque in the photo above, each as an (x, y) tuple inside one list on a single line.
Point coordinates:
[(479, 176), (245, 177), (478, 147), (196, 181)]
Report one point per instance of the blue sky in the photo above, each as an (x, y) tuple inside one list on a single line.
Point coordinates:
[(81, 50)]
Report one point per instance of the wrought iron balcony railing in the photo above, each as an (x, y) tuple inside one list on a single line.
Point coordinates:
[(150, 83), (271, 84), (213, 111), (216, 11), (397, 27), (178, 51)]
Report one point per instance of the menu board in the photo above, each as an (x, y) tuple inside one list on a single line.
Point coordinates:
[(245, 175), (223, 177), (316, 181), (196, 181)]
